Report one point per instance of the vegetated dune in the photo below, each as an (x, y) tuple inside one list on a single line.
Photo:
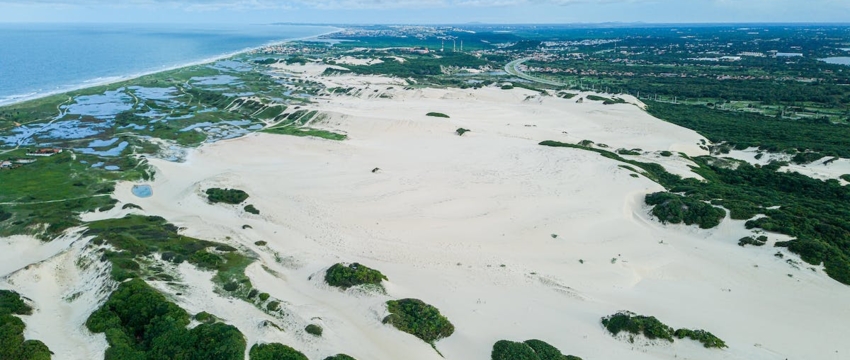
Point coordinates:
[(467, 224), (508, 239)]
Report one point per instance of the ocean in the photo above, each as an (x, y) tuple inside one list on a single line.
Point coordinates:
[(42, 59)]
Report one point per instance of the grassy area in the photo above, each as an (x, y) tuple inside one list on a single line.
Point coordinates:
[(136, 237), (418, 319), (305, 131), (340, 357), (355, 274)]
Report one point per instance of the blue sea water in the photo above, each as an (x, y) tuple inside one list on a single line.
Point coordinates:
[(40, 59)]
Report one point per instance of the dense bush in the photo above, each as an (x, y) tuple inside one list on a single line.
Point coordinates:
[(436, 114), (4, 215), (676, 209), (139, 323), (509, 350), (651, 328), (354, 274), (461, 131), (228, 196), (627, 152), (13, 346), (314, 329), (251, 209), (745, 129), (275, 352), (635, 324), (340, 357), (419, 319), (706, 338), (749, 240)]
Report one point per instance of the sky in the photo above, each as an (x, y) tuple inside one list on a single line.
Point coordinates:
[(424, 11)]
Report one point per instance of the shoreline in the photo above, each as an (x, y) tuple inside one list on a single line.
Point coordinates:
[(86, 84)]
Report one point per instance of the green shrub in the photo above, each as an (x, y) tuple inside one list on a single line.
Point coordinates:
[(11, 303), (204, 317), (627, 152), (264, 296), (509, 350), (461, 131), (677, 209), (140, 323), (548, 352), (845, 177), (635, 324), (419, 319), (131, 206), (4, 215), (228, 196), (13, 346), (275, 352), (340, 357), (666, 153), (261, 243), (354, 274), (314, 329), (231, 286), (706, 338), (251, 209), (749, 240), (507, 87), (436, 114), (273, 306)]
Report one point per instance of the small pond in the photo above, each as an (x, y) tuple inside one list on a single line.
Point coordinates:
[(142, 191)]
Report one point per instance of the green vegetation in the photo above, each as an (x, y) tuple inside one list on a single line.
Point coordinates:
[(461, 131), (275, 352), (606, 101), (666, 153), (744, 129), (647, 326), (227, 196), (528, 350), (418, 319), (419, 66), (135, 237), (845, 177), (139, 323), (749, 240), (314, 329), (436, 114), (676, 209), (628, 152), (354, 274), (813, 211), (252, 210), (340, 357), (13, 346), (305, 131), (706, 338), (651, 328)]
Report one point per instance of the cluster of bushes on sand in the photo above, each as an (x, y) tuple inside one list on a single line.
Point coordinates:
[(13, 346), (419, 319), (749, 240), (227, 196), (346, 276), (676, 209), (652, 329), (528, 350)]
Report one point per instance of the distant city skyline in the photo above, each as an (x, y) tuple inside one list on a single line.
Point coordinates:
[(425, 11)]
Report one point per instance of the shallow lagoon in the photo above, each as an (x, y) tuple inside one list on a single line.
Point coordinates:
[(142, 191), (838, 60)]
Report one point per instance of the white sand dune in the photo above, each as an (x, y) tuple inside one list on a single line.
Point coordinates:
[(466, 224)]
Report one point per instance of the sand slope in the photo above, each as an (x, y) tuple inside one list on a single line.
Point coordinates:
[(466, 224)]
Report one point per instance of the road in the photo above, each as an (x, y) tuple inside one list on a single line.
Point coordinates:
[(512, 68)]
